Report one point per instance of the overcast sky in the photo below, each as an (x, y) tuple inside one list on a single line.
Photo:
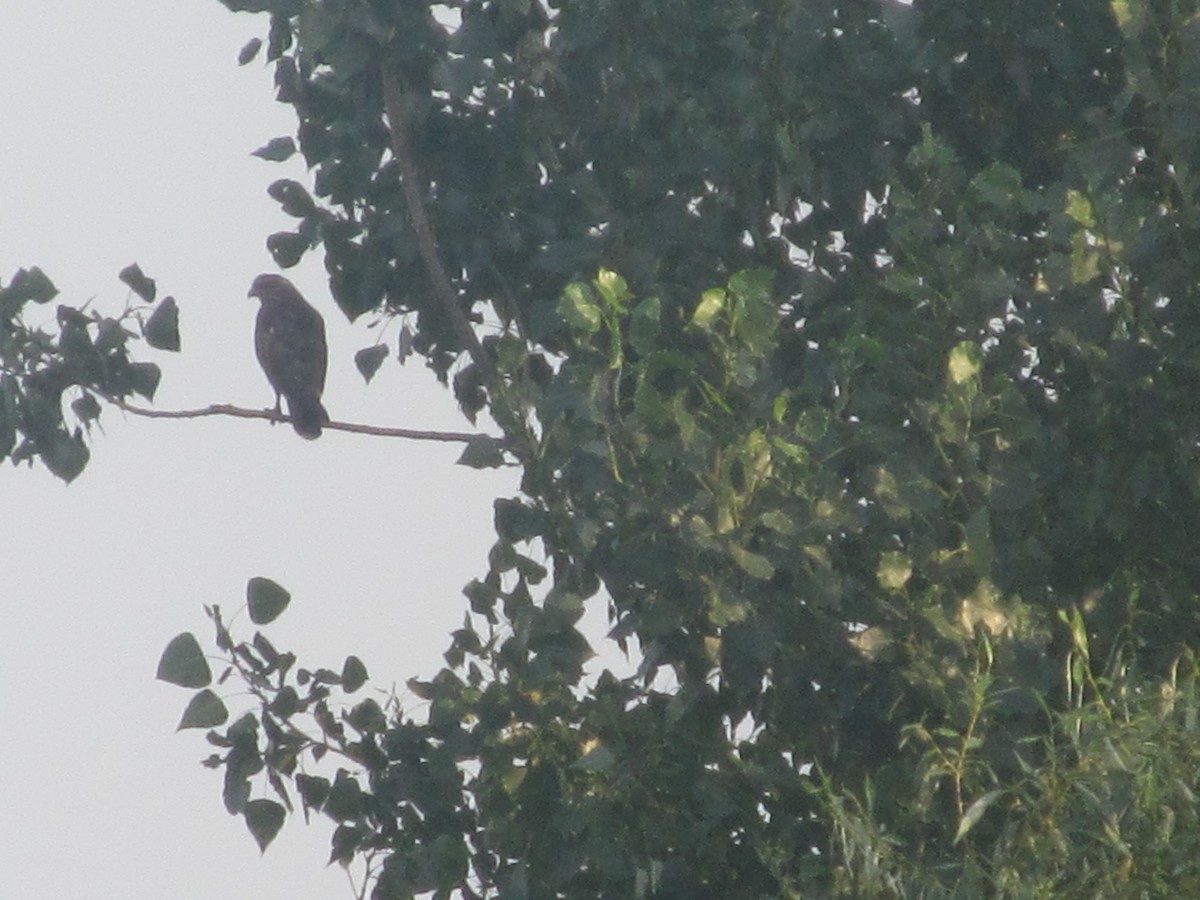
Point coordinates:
[(125, 133)]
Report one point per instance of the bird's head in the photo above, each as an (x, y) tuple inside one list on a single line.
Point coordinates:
[(269, 285)]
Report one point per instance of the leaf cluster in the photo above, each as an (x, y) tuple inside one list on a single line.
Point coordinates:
[(83, 355)]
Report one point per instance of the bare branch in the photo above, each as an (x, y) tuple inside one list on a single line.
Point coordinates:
[(226, 409)]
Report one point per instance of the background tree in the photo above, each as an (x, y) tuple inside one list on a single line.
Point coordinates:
[(895, 519)]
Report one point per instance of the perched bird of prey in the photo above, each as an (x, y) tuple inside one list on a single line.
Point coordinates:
[(289, 340)]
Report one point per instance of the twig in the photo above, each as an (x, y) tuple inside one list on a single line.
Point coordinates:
[(226, 409)]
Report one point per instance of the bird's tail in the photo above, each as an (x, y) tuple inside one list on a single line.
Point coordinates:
[(308, 415)]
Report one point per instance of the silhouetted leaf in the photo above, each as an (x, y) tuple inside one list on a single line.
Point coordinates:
[(86, 408), (404, 345), (204, 710), (354, 674), (26, 285), (266, 600), (183, 663), (369, 359), (162, 328), (482, 452), (345, 801), (65, 454), (144, 378), (264, 818), (287, 248), (344, 844), (293, 197), (144, 287), (249, 51), (276, 150)]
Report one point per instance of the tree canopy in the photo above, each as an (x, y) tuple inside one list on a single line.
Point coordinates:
[(849, 354)]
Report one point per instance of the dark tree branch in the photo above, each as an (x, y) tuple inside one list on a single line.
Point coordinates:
[(226, 409), (393, 99)]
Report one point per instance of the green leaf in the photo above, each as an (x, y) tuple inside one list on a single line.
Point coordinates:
[(345, 801), (276, 150), (1122, 12), (344, 844), (144, 287), (144, 378), (183, 663), (249, 51), (752, 564), (279, 41), (286, 703), (998, 185), (721, 613), (1079, 208), (404, 344), (354, 674), (162, 328), (645, 325), (292, 197), (27, 284), (612, 289), (369, 359), (204, 710), (598, 758), (964, 363), (287, 248), (264, 818), (517, 521), (482, 452), (367, 717), (755, 317), (1085, 259), (579, 309), (266, 600), (905, 493), (894, 570), (448, 861), (313, 790), (712, 303), (86, 408), (64, 454), (975, 812), (979, 541), (779, 522)]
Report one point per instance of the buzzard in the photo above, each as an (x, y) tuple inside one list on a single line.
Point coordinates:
[(289, 340)]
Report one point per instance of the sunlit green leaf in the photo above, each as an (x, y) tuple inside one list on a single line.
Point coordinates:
[(579, 309), (753, 564), (712, 303), (894, 570)]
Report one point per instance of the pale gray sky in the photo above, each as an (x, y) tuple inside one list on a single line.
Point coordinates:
[(125, 133)]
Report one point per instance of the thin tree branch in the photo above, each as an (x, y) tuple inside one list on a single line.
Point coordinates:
[(227, 409)]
